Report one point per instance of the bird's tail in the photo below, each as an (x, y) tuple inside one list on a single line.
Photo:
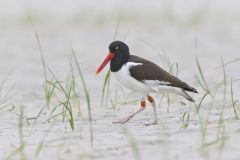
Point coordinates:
[(185, 95)]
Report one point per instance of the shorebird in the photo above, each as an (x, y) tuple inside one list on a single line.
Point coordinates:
[(143, 77)]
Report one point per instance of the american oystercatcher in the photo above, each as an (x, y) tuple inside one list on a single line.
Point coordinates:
[(142, 76)]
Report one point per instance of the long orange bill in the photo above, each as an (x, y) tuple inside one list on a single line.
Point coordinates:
[(105, 62)]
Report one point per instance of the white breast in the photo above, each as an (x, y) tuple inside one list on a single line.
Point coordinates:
[(145, 87), (124, 77)]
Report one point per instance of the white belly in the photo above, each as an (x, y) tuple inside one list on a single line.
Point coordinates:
[(124, 77)]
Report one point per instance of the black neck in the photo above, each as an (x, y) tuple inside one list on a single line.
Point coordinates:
[(118, 61)]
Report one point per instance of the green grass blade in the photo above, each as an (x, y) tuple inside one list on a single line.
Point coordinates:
[(133, 144), (87, 96), (234, 103), (105, 90)]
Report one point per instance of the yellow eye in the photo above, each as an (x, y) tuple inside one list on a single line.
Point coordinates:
[(116, 48)]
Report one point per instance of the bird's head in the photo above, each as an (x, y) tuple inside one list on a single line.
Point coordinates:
[(117, 50)]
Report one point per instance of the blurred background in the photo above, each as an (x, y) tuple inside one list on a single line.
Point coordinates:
[(178, 30), (164, 31)]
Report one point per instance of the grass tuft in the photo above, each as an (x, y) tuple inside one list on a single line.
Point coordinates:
[(133, 144), (105, 89), (87, 95), (201, 79), (20, 149), (185, 120), (234, 102)]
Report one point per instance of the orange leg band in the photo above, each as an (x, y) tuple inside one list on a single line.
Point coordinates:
[(143, 103), (150, 99)]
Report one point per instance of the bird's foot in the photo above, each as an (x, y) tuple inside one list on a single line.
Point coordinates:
[(122, 121), (153, 123)]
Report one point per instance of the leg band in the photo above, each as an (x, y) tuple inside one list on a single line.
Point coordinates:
[(150, 99), (143, 103)]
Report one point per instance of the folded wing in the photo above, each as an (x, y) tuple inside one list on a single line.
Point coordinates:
[(151, 74)]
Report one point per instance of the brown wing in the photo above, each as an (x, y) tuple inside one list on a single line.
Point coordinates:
[(151, 71)]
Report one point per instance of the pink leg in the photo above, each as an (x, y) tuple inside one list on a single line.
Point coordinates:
[(126, 119), (155, 121)]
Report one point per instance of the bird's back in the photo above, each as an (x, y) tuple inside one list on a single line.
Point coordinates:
[(149, 71)]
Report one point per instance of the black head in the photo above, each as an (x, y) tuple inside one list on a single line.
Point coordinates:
[(118, 55), (121, 55), (118, 47)]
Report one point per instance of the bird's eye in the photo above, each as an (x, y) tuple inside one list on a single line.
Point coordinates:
[(116, 48)]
